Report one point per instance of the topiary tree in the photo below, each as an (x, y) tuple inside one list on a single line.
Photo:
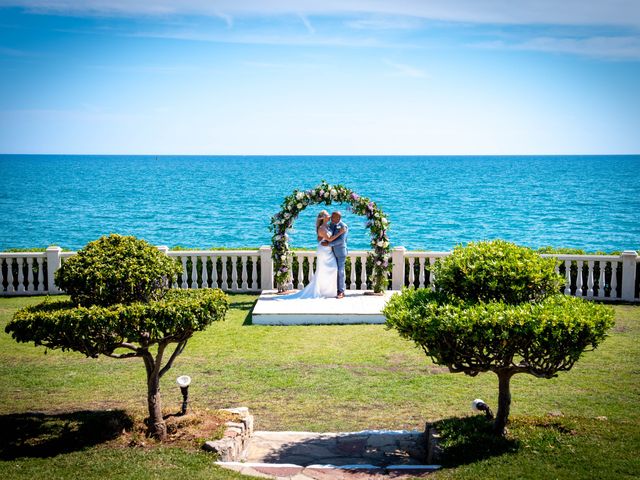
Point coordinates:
[(121, 307), (496, 307)]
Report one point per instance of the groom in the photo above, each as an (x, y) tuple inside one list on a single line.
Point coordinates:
[(339, 247)]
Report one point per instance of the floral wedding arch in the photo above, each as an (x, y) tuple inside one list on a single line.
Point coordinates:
[(327, 194)]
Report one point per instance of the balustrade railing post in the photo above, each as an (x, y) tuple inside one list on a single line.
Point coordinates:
[(397, 272), (629, 260), (266, 269), (54, 261)]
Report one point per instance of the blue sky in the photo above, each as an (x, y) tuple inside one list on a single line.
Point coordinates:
[(319, 77)]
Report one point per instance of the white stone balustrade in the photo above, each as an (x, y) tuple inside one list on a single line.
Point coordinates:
[(599, 277), (422, 262)]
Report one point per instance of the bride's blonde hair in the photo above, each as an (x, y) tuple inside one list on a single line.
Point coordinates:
[(321, 215)]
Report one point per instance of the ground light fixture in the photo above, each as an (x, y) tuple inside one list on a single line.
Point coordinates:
[(478, 405), (183, 382)]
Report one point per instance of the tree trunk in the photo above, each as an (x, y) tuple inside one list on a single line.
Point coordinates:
[(504, 402), (157, 427)]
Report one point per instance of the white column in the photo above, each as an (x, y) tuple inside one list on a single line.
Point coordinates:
[(245, 284), (214, 271), (225, 284), (602, 266), (397, 272), (629, 261), (421, 275), (412, 276), (567, 276), (579, 279), (590, 266), (614, 280), (254, 272), (300, 259), (352, 276), (184, 272), (194, 271), (234, 273), (20, 262), (363, 272), (40, 274), (205, 273), (432, 273), (53, 264), (266, 269), (30, 283), (10, 286)]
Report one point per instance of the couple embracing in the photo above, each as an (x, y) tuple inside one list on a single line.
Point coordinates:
[(329, 278)]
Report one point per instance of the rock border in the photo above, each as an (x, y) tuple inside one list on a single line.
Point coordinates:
[(232, 447)]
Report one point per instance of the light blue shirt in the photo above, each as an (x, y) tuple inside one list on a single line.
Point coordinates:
[(339, 243)]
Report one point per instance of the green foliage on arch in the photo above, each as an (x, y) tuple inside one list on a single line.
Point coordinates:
[(327, 194)]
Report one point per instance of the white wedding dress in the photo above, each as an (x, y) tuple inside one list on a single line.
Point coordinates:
[(324, 284)]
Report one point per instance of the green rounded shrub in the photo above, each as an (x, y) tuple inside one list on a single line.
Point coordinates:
[(497, 308), (117, 269), (496, 270)]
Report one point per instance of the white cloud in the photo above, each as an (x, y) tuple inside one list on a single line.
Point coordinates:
[(307, 24), (267, 38), (385, 23), (613, 48), (281, 66), (565, 12), (404, 70), (228, 19)]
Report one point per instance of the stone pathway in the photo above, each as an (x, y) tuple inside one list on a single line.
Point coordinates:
[(325, 472), (343, 456)]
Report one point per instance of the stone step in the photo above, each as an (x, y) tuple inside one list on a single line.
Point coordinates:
[(282, 471)]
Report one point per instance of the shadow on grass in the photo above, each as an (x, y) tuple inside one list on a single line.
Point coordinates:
[(46, 435), (248, 306), (471, 439), (248, 320), (243, 305)]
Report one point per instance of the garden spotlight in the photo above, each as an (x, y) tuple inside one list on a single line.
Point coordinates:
[(479, 405), (183, 382)]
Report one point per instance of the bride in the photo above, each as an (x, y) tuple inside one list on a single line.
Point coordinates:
[(324, 284)]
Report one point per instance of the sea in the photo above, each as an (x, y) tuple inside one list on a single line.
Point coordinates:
[(433, 202)]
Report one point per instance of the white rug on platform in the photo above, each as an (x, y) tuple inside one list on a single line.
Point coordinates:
[(356, 307)]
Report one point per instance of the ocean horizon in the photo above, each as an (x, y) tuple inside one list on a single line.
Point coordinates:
[(590, 202)]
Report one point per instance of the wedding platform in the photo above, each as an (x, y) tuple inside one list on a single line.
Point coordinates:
[(355, 307)]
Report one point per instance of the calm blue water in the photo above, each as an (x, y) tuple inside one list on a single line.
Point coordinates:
[(433, 202)]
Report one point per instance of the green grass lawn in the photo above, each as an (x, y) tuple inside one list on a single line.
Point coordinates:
[(336, 378)]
